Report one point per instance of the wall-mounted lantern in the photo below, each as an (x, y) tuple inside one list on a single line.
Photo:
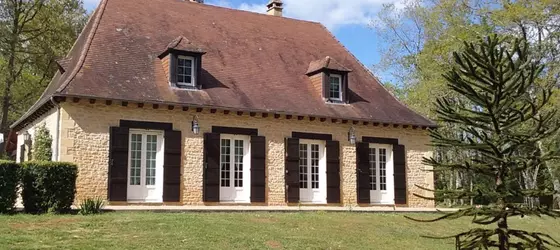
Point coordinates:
[(26, 137), (195, 126), (352, 136)]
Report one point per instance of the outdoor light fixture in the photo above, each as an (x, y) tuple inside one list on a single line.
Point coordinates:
[(26, 136), (195, 126), (352, 136)]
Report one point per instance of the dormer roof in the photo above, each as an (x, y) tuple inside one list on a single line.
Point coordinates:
[(181, 43), (326, 63)]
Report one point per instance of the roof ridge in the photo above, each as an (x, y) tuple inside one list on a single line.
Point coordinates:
[(372, 75), (97, 20)]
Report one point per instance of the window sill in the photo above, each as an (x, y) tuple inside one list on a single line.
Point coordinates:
[(335, 102), (184, 87)]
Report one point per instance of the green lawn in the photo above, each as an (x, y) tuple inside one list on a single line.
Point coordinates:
[(306, 230)]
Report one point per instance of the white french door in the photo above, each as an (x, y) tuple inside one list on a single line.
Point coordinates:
[(145, 166), (381, 174), (312, 172), (235, 169)]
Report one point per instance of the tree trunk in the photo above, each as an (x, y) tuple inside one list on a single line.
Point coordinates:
[(503, 235)]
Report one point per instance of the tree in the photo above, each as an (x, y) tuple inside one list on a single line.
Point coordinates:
[(499, 80), (33, 33), (42, 145), (421, 37)]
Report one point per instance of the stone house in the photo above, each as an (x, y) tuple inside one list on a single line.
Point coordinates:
[(182, 103)]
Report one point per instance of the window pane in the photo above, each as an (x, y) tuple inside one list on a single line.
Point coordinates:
[(334, 89), (314, 166), (382, 169), (225, 163), (135, 158), (372, 169), (238, 177), (303, 175), (151, 150), (188, 63)]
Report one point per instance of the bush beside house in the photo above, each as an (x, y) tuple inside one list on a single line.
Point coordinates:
[(48, 186), (9, 179)]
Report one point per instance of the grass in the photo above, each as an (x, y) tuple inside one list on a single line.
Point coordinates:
[(307, 230)]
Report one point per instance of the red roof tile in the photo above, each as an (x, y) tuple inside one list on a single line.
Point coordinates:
[(253, 62)]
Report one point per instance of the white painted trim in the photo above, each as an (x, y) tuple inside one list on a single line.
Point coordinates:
[(143, 188), (193, 71), (244, 192), (321, 193), (339, 87), (384, 197)]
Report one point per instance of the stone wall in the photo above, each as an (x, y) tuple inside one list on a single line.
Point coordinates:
[(85, 141), (49, 119)]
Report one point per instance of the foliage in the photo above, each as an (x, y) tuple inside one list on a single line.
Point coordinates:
[(92, 206), (9, 179), (33, 34), (501, 120), (42, 146), (48, 186), (422, 36)]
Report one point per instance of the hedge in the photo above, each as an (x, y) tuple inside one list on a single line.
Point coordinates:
[(9, 179), (48, 186)]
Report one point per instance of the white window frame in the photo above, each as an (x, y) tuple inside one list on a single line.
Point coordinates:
[(234, 194), (339, 77), (134, 192), (387, 196), (312, 195), (193, 70)]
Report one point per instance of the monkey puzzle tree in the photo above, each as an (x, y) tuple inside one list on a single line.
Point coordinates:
[(501, 121)]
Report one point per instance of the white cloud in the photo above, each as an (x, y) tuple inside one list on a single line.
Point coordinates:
[(259, 8), (331, 13)]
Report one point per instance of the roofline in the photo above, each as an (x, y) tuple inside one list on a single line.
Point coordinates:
[(96, 18), (100, 9), (193, 105)]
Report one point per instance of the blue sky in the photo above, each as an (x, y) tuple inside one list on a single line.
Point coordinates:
[(348, 20)]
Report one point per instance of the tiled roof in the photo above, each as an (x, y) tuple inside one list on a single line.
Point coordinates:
[(253, 62)]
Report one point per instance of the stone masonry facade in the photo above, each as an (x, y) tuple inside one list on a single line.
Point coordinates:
[(84, 140)]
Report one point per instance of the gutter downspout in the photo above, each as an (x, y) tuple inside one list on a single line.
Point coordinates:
[(57, 132)]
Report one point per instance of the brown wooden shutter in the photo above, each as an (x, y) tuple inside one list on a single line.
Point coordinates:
[(399, 155), (211, 167), (173, 69), (292, 170), (172, 166), (362, 172), (346, 88), (258, 169), (333, 172), (198, 63), (118, 163)]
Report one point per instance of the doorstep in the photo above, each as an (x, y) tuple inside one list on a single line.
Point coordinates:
[(164, 208)]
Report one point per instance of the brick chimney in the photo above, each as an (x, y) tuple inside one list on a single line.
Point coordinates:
[(275, 7)]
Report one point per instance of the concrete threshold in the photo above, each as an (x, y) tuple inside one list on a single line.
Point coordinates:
[(163, 208)]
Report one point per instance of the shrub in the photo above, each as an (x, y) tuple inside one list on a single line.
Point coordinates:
[(42, 145), (91, 206), (48, 186), (9, 179)]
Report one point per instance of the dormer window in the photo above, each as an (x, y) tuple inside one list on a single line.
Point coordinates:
[(182, 62), (186, 71), (335, 87), (330, 79)]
